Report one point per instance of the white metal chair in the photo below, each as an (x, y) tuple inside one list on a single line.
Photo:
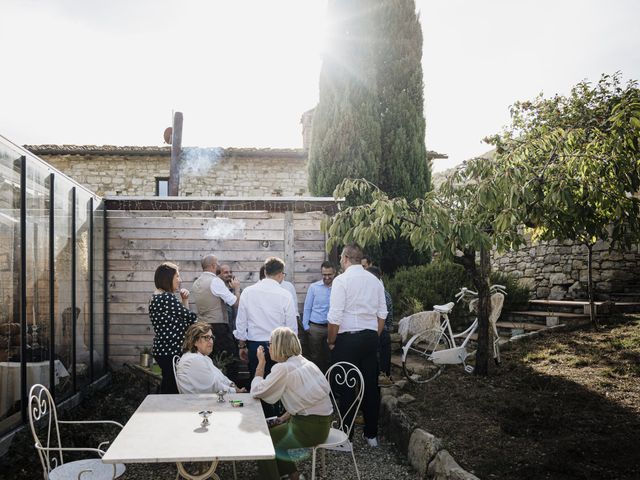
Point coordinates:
[(346, 375), (175, 361), (42, 413)]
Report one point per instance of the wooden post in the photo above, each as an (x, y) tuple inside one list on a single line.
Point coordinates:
[(289, 245), (176, 150)]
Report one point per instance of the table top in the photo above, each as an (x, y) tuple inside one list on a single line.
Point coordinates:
[(166, 428)]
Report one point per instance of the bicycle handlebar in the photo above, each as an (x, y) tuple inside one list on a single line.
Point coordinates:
[(465, 292)]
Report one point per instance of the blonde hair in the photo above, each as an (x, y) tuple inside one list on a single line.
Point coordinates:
[(284, 344), (195, 331)]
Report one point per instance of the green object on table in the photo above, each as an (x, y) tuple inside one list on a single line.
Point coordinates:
[(156, 369)]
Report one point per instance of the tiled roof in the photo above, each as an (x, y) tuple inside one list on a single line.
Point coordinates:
[(160, 151)]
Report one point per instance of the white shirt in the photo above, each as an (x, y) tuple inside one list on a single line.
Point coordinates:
[(357, 301), (300, 385), (288, 286), (264, 306), (196, 373), (219, 289)]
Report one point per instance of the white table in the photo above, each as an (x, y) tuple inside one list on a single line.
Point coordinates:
[(37, 372), (166, 428)]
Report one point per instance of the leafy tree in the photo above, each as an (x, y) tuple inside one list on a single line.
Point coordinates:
[(578, 163), (404, 169), (466, 218), (346, 125)]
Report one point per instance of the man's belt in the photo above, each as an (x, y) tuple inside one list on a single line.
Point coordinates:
[(318, 324)]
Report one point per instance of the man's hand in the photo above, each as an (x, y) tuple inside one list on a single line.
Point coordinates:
[(241, 390), (244, 354), (235, 283)]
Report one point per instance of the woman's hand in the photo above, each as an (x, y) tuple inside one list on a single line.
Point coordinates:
[(184, 296), (261, 356), (241, 390)]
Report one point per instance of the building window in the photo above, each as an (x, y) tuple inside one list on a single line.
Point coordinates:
[(162, 186)]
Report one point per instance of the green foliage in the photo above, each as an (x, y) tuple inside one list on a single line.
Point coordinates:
[(404, 167), (577, 161), (419, 288), (346, 126), (369, 122), (517, 295), (425, 286)]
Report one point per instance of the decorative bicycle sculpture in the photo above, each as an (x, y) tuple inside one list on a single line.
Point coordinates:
[(426, 353)]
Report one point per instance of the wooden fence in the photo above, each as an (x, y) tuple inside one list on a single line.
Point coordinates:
[(140, 239)]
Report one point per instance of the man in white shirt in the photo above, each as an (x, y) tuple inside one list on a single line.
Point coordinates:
[(357, 310), (212, 297), (264, 306)]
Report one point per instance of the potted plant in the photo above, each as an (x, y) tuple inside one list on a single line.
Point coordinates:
[(146, 360)]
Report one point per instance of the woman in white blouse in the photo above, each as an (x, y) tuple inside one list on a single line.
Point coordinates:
[(304, 392), (196, 373)]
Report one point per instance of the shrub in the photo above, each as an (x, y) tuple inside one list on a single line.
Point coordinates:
[(419, 288)]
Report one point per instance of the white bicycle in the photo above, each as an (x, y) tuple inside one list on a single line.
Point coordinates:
[(426, 353)]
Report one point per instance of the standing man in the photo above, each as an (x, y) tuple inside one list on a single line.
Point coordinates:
[(212, 297), (357, 310), (264, 306), (226, 274), (314, 319)]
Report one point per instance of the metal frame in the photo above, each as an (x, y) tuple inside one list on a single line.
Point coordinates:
[(343, 374)]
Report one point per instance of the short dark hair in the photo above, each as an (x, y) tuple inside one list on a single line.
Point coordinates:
[(261, 274), (273, 266), (327, 264), (375, 270), (163, 277), (353, 252)]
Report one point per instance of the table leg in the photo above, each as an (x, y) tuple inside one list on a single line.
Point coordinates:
[(200, 476)]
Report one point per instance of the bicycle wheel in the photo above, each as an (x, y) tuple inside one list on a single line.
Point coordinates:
[(416, 357)]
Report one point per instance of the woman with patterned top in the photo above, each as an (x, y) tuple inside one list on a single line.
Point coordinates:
[(170, 319)]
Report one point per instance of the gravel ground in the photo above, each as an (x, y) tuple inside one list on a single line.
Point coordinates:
[(119, 400), (381, 463)]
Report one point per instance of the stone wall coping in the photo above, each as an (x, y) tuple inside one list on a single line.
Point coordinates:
[(272, 204), (296, 153)]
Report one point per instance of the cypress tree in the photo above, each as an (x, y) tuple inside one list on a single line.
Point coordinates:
[(346, 123), (404, 169)]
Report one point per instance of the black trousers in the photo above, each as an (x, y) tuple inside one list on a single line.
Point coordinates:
[(225, 342), (361, 349), (269, 410), (384, 349)]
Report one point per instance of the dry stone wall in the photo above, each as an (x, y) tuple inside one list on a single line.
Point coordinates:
[(131, 171), (558, 269)]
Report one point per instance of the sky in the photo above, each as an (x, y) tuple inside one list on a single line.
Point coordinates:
[(95, 72)]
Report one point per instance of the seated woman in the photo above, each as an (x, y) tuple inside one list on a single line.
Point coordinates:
[(196, 373), (304, 392)]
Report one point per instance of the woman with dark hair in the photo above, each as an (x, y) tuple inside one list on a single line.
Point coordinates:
[(196, 373), (170, 319)]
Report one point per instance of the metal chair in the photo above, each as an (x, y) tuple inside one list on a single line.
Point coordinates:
[(43, 413), (174, 362), (347, 375)]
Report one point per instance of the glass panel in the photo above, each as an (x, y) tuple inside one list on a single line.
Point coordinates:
[(83, 318), (63, 248), (37, 275), (10, 337), (99, 365)]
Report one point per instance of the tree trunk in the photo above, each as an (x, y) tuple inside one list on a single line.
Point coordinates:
[(592, 309), (481, 282), (480, 277)]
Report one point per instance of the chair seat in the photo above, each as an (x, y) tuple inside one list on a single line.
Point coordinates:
[(337, 440), (99, 470)]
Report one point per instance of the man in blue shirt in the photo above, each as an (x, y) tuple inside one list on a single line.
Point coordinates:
[(314, 320)]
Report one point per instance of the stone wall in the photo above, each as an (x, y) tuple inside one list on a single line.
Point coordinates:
[(558, 269), (132, 171)]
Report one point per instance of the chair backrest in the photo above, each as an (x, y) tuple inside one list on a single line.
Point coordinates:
[(43, 416), (175, 362), (345, 376)]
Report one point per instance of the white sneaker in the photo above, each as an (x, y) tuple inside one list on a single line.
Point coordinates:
[(372, 442)]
